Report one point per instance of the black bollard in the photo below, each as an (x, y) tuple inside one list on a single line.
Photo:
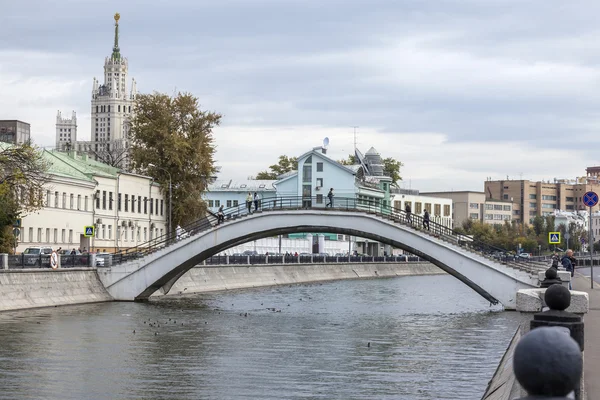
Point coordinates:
[(551, 278), (548, 363), (558, 299)]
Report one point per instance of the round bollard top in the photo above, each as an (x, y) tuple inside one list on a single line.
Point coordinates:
[(548, 362), (551, 273), (558, 297)]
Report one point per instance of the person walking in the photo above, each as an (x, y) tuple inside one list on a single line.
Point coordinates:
[(408, 215), (330, 197), (256, 200), (568, 264), (249, 202), (426, 220), (220, 215)]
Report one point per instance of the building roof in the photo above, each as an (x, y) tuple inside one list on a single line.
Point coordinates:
[(254, 185), (323, 155)]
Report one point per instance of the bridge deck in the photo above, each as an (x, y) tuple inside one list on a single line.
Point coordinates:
[(592, 336)]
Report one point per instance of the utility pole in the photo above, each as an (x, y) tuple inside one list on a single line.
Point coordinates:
[(355, 136)]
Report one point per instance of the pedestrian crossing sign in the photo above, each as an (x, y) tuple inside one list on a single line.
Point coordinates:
[(88, 231), (554, 237)]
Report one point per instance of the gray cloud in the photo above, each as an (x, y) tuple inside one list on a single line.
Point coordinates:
[(501, 71)]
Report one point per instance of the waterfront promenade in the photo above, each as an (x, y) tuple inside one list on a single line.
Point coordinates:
[(592, 336)]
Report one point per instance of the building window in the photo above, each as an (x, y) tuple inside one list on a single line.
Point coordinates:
[(151, 206), (138, 234), (506, 208), (235, 203), (532, 196), (85, 203), (79, 202), (119, 109), (489, 206), (211, 203), (48, 198), (47, 235), (39, 235), (517, 212), (418, 208), (217, 203), (570, 207), (319, 167), (70, 235), (437, 209), (145, 207), (145, 234), (319, 199), (104, 199), (133, 234), (319, 182), (474, 206), (31, 234), (488, 217), (156, 207), (161, 207), (110, 231), (533, 205), (97, 199), (307, 172), (551, 206), (103, 231), (546, 197), (474, 216), (119, 202), (72, 201), (55, 199), (498, 207), (228, 203), (446, 210), (110, 200), (126, 202), (64, 202), (125, 230), (63, 235), (569, 199), (139, 200), (55, 235), (505, 197)]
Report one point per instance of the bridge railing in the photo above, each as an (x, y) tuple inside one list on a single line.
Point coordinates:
[(387, 211), (263, 259)]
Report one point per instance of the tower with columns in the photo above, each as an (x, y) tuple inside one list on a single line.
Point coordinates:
[(112, 108), (66, 131)]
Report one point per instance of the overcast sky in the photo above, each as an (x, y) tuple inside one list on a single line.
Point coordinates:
[(458, 90)]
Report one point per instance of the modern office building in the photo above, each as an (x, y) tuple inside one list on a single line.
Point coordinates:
[(542, 198), (111, 113), (15, 132), (474, 206)]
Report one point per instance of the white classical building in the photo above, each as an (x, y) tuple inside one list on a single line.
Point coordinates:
[(111, 112), (230, 193), (440, 209), (126, 209)]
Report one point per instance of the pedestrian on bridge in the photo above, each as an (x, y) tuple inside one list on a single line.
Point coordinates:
[(220, 215), (330, 197), (408, 214), (249, 202), (426, 220), (256, 201)]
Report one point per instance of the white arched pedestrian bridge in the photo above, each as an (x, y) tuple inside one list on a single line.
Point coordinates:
[(136, 275)]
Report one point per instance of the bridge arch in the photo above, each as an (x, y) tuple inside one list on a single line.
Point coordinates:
[(137, 280)]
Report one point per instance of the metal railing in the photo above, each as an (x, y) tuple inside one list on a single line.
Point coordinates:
[(263, 259), (388, 212), (22, 261)]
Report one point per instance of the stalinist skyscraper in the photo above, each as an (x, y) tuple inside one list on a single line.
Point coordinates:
[(111, 111)]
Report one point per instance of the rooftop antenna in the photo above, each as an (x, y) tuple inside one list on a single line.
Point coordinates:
[(355, 136)]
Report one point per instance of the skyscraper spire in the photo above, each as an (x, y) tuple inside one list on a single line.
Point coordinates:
[(116, 54)]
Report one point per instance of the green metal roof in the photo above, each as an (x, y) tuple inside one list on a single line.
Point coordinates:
[(77, 166)]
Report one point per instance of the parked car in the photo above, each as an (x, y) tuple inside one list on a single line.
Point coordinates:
[(32, 256), (103, 259), (524, 255), (250, 253)]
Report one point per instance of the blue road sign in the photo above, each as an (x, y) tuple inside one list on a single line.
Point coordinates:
[(590, 199), (88, 231), (554, 237)]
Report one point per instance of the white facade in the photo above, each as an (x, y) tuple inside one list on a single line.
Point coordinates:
[(579, 218), (300, 245), (66, 131), (229, 193), (126, 209), (440, 209)]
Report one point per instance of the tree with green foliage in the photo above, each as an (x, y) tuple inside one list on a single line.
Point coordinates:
[(284, 165), (175, 136), (23, 176)]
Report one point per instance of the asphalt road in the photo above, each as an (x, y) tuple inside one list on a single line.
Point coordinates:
[(585, 271)]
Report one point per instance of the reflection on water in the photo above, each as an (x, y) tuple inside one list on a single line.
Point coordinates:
[(425, 337)]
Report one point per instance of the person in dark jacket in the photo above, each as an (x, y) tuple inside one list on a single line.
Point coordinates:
[(426, 220), (407, 211), (568, 264)]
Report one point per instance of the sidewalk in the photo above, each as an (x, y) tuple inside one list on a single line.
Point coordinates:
[(591, 365)]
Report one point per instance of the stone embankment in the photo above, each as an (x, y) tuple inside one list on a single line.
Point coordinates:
[(215, 278), (32, 288)]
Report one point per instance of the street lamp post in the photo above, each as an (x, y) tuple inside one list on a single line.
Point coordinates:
[(170, 195)]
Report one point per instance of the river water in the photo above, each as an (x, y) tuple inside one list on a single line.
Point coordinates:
[(427, 337)]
